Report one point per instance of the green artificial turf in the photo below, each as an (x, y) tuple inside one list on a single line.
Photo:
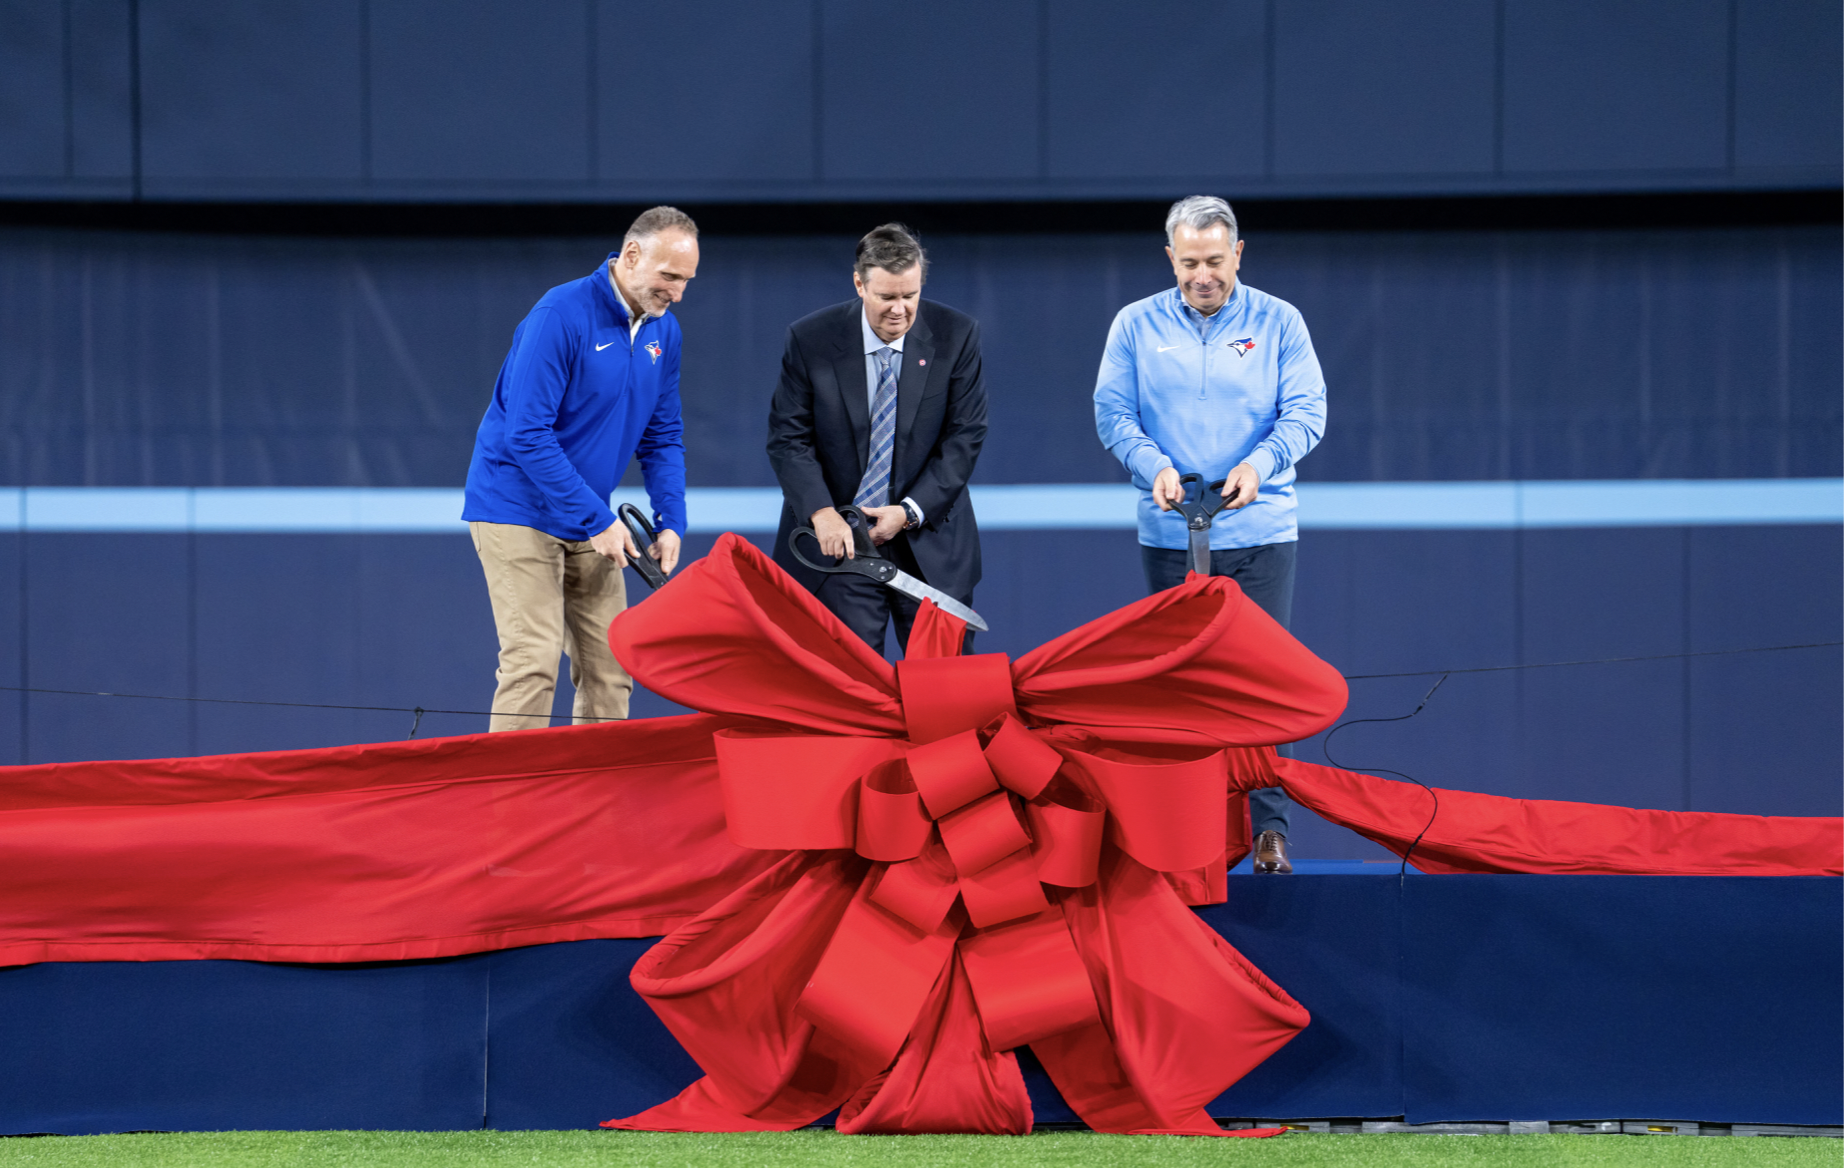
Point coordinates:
[(820, 1149)]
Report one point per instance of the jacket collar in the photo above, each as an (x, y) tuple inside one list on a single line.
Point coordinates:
[(604, 280)]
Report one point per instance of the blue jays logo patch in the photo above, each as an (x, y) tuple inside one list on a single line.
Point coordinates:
[(653, 351), (1243, 346)]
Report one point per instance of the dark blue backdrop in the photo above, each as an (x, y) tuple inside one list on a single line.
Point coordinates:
[(793, 99), (148, 359)]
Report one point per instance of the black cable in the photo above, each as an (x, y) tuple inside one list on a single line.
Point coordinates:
[(1403, 871), (419, 711)]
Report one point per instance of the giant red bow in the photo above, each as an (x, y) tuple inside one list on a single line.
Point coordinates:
[(984, 855)]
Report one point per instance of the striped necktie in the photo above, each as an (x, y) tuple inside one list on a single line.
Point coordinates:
[(874, 488)]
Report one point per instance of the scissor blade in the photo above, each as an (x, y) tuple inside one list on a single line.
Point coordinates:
[(910, 586), (1200, 550)]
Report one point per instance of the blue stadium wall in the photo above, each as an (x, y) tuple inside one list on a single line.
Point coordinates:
[(591, 100), (150, 361)]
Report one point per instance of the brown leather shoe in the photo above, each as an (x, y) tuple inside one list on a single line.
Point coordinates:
[(1271, 854)]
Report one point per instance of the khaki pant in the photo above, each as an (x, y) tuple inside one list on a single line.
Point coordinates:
[(541, 588)]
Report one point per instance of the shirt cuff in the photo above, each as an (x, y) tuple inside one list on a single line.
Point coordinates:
[(1262, 459), (921, 516), (1148, 468)]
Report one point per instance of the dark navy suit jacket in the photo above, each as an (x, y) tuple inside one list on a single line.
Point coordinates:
[(819, 433)]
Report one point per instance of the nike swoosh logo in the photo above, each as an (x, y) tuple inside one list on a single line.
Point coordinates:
[(1167, 348), (599, 348)]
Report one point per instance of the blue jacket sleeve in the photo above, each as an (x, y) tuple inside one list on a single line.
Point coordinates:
[(1117, 409), (536, 378), (1301, 404), (662, 449)]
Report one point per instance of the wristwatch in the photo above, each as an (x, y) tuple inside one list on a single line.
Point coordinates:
[(915, 519)]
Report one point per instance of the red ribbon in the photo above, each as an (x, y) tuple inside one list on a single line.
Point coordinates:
[(966, 820), (987, 817)]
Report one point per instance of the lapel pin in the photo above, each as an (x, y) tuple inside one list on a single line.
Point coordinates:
[(920, 362)]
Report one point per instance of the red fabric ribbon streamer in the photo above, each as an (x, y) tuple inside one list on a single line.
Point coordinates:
[(833, 851)]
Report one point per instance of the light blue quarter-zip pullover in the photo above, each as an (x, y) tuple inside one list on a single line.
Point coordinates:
[(1203, 394)]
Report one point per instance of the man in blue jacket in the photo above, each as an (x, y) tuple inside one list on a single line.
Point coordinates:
[(592, 380), (1219, 379)]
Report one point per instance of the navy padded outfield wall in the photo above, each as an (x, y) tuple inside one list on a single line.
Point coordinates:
[(1446, 998)]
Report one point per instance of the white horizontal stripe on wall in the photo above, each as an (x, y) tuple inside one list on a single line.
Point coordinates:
[(1022, 507)]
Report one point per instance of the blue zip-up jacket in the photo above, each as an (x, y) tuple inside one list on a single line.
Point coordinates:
[(574, 402), (1203, 394)]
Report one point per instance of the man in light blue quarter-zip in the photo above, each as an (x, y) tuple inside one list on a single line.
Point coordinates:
[(1219, 379)]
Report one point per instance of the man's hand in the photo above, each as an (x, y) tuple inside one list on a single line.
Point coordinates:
[(1166, 489), (887, 522), (1239, 487), (615, 544), (835, 535), (665, 549)]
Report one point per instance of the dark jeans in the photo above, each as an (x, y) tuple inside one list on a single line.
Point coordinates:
[(867, 607), (1265, 575)]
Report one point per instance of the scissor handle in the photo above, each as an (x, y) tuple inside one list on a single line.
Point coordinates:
[(872, 565), (644, 535), (1205, 502), (866, 561), (861, 526), (794, 547), (1214, 500)]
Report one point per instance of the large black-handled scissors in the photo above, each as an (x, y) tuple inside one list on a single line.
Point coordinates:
[(644, 537), (1201, 505), (867, 562)]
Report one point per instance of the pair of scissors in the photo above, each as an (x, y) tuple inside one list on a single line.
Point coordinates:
[(1201, 505), (644, 536), (867, 562)]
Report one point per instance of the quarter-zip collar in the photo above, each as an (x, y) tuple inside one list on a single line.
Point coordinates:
[(1205, 325), (614, 296)]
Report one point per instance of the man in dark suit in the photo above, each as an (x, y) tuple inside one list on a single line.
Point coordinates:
[(881, 404)]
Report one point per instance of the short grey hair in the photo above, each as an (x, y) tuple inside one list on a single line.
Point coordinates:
[(657, 219), (1200, 213), (892, 247)]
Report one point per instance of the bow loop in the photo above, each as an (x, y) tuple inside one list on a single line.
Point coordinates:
[(892, 823), (922, 890), (951, 772), (1066, 831), (1019, 760), (981, 834), (1167, 813), (733, 634), (1199, 662)]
